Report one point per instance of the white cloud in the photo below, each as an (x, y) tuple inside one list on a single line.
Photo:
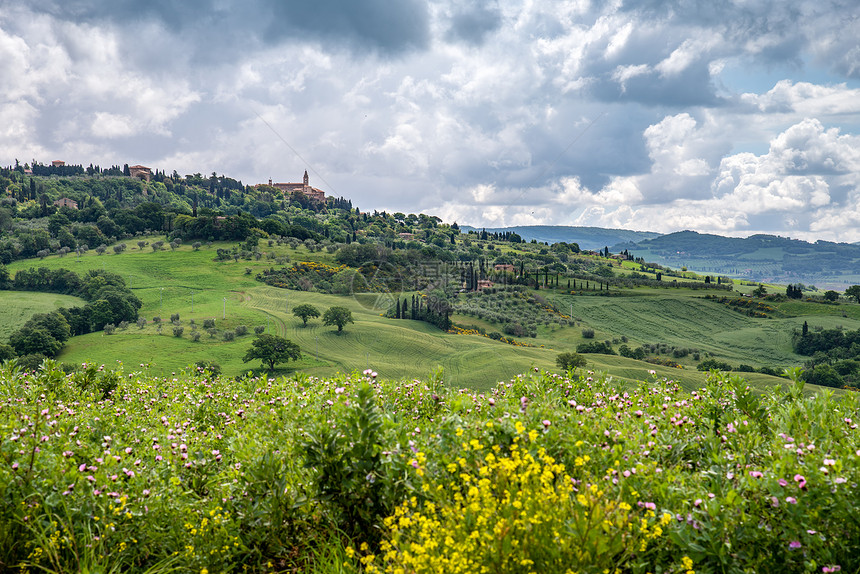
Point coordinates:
[(491, 122), (807, 99), (107, 125), (688, 52), (623, 74)]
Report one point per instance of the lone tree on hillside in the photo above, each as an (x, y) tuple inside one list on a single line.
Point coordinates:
[(853, 291), (339, 316), (305, 312), (272, 349), (570, 361)]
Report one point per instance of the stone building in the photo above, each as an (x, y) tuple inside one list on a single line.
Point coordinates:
[(140, 171), (66, 202), (304, 187)]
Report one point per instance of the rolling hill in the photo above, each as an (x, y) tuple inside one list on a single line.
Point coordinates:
[(765, 258), (587, 237)]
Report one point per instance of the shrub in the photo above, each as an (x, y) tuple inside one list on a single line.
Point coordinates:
[(588, 333), (259, 329), (123, 325), (177, 331), (31, 362), (229, 335), (156, 320), (570, 361), (141, 322), (109, 329), (595, 347), (195, 336), (241, 330), (515, 329), (711, 364), (208, 323), (174, 318)]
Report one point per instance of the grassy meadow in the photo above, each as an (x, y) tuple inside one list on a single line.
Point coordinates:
[(16, 307), (195, 286)]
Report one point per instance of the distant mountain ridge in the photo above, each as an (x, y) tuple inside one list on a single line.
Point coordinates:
[(587, 237), (767, 258), (760, 257)]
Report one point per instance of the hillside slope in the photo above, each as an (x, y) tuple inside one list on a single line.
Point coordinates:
[(767, 258), (593, 238)]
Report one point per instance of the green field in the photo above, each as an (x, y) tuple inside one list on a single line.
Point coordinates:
[(196, 287), (688, 320), (17, 306)]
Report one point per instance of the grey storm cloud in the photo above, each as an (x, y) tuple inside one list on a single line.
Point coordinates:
[(236, 26), (473, 22)]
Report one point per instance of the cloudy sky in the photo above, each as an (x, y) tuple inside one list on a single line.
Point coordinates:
[(723, 116)]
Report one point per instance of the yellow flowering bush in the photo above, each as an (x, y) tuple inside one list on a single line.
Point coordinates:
[(512, 512)]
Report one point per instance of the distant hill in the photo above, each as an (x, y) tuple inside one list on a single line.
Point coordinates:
[(767, 258), (587, 237)]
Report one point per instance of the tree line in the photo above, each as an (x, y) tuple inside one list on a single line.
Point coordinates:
[(109, 302)]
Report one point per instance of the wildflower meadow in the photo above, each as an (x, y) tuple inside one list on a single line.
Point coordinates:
[(121, 471)]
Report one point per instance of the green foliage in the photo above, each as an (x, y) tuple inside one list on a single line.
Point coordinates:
[(637, 353), (601, 347), (272, 349), (305, 311), (713, 364), (570, 361), (34, 340), (357, 474), (351, 477), (338, 316), (211, 367), (512, 305), (853, 291), (6, 352), (823, 375)]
